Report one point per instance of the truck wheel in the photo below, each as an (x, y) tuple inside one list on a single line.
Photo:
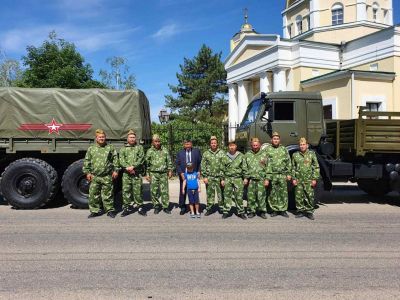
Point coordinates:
[(74, 185), (373, 187), (29, 183)]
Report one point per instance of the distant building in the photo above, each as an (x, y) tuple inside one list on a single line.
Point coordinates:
[(348, 50)]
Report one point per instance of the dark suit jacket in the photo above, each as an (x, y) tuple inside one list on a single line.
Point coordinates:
[(181, 160)]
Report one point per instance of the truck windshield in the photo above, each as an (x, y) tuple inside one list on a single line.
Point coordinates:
[(251, 113)]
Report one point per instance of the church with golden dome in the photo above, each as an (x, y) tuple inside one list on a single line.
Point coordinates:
[(349, 50)]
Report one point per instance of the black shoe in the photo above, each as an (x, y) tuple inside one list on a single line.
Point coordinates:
[(126, 212), (310, 216), (251, 215), (94, 215), (167, 211), (242, 216), (300, 215), (263, 215), (284, 214), (142, 212), (208, 212), (273, 214), (225, 216), (220, 211), (157, 210), (111, 214), (183, 211)]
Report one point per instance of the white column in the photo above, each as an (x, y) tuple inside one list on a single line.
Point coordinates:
[(285, 29), (265, 86), (243, 98), (389, 13), (233, 115), (314, 13), (361, 10), (279, 83)]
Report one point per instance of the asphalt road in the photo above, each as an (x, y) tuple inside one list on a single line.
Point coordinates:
[(350, 251)]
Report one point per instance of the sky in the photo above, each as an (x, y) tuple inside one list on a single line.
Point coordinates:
[(154, 35)]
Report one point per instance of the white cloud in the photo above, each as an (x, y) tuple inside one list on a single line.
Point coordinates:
[(167, 31)]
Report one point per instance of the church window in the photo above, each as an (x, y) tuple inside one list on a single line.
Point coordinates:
[(375, 8), (299, 24), (337, 14)]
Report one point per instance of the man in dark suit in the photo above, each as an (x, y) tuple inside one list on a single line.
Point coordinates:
[(187, 155)]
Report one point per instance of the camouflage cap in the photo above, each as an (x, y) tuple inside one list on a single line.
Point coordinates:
[(255, 139), (213, 137), (156, 137), (232, 142), (275, 133), (131, 131)]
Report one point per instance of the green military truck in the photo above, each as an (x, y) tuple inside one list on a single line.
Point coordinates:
[(44, 135), (364, 150)]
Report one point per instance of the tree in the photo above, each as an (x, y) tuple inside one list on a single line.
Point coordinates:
[(201, 89), (10, 70), (56, 63), (118, 78)]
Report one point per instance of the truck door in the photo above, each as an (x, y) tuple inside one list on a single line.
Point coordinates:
[(285, 123), (314, 122)]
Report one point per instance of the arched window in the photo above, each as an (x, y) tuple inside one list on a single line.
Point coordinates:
[(375, 8), (299, 24), (337, 14)]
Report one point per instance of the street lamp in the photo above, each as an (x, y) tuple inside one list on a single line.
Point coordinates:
[(163, 116)]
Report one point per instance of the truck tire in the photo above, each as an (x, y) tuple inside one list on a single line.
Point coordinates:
[(372, 187), (74, 185), (29, 183)]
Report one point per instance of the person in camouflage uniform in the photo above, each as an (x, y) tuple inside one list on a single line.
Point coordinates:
[(305, 176), (255, 174), (101, 168), (212, 172), (159, 168), (232, 180), (131, 159), (279, 170)]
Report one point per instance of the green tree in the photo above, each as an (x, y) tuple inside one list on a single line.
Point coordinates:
[(201, 90), (56, 63), (118, 78), (10, 70)]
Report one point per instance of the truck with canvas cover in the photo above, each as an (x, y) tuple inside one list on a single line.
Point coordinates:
[(44, 135), (364, 150)]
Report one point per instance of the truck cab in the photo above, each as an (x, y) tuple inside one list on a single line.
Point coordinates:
[(292, 114)]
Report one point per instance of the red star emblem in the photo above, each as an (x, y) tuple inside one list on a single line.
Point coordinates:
[(53, 126)]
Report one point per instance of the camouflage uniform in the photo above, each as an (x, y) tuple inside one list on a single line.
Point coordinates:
[(305, 169), (158, 163), (211, 169), (132, 156), (255, 172), (278, 167), (101, 162), (233, 171)]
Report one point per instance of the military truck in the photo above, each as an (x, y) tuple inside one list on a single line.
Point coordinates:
[(44, 135), (364, 150)]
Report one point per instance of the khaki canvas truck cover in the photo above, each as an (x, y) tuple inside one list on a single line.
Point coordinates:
[(73, 114)]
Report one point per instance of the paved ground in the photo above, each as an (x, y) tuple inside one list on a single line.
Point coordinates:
[(351, 251)]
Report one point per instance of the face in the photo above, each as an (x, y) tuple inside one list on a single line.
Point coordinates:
[(101, 138), (303, 147), (213, 145), (275, 141), (131, 139), (157, 144), (187, 145), (255, 146), (232, 148)]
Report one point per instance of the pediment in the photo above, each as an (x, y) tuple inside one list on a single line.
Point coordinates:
[(250, 51)]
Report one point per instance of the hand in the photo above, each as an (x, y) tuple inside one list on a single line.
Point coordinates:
[(266, 183), (288, 178), (114, 175), (89, 177), (222, 183), (294, 182), (245, 181), (199, 190), (169, 174), (148, 178), (205, 180), (313, 183), (183, 191)]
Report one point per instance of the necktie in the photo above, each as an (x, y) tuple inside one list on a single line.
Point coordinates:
[(188, 158)]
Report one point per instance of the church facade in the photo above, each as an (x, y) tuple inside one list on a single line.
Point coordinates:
[(349, 50)]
